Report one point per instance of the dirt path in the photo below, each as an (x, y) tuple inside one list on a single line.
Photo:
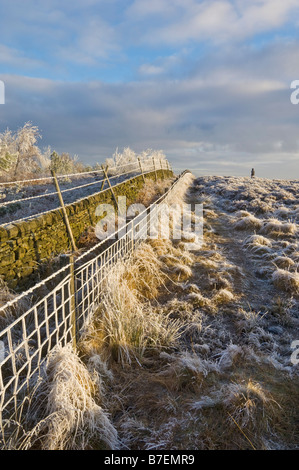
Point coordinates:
[(255, 290), (227, 370)]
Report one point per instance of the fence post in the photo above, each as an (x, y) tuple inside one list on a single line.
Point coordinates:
[(132, 237), (148, 223), (161, 163), (155, 168), (73, 301), (66, 219), (106, 176), (141, 170)]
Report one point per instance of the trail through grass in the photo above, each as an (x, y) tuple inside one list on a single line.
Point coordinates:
[(191, 345)]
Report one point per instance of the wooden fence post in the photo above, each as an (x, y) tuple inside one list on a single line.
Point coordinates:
[(161, 163), (155, 168), (66, 219), (106, 175), (73, 301), (104, 178), (141, 170)]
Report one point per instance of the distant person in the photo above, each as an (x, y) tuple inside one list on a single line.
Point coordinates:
[(252, 173)]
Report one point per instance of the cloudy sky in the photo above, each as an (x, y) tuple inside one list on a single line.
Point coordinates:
[(206, 81)]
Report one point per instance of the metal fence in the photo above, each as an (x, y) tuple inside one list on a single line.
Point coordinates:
[(56, 310), (111, 176)]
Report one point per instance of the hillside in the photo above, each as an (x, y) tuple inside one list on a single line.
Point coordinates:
[(190, 347)]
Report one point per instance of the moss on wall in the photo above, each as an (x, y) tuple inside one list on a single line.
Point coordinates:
[(26, 245)]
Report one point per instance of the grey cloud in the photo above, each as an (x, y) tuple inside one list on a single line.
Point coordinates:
[(226, 124)]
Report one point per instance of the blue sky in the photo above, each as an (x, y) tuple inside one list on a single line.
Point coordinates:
[(208, 82)]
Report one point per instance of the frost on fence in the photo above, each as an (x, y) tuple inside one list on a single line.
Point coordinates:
[(61, 315), (2, 351), (2, 92)]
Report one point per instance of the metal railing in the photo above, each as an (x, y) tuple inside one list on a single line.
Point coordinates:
[(56, 311)]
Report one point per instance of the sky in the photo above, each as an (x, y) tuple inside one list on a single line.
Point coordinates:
[(208, 82)]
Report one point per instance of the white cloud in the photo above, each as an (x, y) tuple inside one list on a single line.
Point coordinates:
[(144, 9), (96, 40), (150, 69), (64, 32), (16, 58), (168, 65), (212, 20)]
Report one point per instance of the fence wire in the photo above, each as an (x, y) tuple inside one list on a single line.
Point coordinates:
[(136, 168), (44, 316)]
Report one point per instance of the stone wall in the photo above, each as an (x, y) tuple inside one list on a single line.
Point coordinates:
[(26, 246)]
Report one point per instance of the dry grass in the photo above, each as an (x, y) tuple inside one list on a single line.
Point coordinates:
[(74, 418), (274, 227), (286, 280), (128, 323), (88, 238), (5, 293), (257, 240), (65, 411), (283, 262), (247, 222), (190, 348), (152, 190), (223, 296), (225, 383), (143, 274), (247, 402)]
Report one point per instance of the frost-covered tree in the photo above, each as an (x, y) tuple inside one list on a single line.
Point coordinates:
[(44, 159), (26, 150), (18, 151), (7, 156), (127, 159), (64, 164)]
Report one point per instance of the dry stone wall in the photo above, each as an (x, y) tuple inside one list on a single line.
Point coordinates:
[(25, 246)]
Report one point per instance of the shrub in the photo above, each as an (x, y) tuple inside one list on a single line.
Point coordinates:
[(63, 164)]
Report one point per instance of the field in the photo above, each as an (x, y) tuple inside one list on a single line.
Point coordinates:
[(228, 381), (191, 345)]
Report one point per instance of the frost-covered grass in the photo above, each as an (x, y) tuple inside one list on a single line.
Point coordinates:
[(226, 383), (286, 280), (192, 342), (266, 211), (74, 418), (128, 325), (152, 190)]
